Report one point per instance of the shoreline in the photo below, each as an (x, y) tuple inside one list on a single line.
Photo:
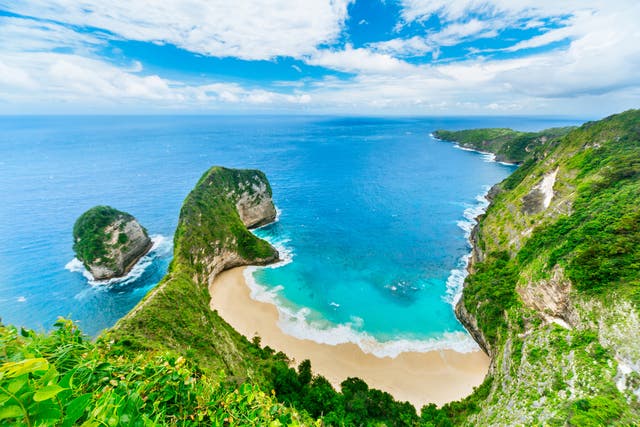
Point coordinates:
[(438, 376)]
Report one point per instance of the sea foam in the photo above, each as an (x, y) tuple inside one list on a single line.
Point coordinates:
[(486, 156), (455, 281), (302, 322), (297, 322), (161, 248)]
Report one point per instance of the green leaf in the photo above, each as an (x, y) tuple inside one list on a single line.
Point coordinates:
[(47, 392), (16, 384), (45, 413), (65, 381), (14, 369), (75, 409), (11, 411)]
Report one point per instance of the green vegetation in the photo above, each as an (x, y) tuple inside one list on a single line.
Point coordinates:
[(173, 361), (508, 145), (89, 233), (590, 237), (176, 315), (490, 291), (63, 379)]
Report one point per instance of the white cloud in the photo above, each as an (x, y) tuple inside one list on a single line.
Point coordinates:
[(413, 46), (452, 10), (358, 60), (28, 35), (243, 28), (52, 79), (595, 72)]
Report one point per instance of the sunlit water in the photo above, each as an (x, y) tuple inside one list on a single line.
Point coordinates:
[(373, 225)]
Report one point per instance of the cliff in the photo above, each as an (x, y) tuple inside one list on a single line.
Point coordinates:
[(109, 242), (553, 293), (211, 236)]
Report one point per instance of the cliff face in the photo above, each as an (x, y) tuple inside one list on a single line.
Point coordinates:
[(211, 236), (553, 294), (255, 206), (109, 242)]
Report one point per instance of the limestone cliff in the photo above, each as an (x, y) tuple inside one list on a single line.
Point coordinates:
[(552, 294), (109, 242), (212, 236)]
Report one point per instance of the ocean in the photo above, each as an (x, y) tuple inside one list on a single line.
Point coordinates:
[(374, 216)]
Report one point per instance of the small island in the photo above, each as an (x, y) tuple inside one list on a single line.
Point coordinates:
[(109, 242)]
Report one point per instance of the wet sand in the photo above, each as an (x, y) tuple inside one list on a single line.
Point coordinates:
[(420, 378)]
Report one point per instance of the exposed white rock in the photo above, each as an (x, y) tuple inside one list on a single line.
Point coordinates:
[(546, 187)]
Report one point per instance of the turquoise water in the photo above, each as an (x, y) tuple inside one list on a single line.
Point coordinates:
[(373, 216)]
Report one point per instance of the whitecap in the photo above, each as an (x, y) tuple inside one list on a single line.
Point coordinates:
[(486, 156), (457, 276), (298, 325), (285, 252)]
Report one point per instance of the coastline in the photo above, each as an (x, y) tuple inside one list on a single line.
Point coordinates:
[(436, 377)]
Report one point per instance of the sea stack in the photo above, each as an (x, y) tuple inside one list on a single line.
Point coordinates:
[(109, 242)]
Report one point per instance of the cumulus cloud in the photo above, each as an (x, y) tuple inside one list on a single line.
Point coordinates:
[(243, 29), (53, 78), (594, 71)]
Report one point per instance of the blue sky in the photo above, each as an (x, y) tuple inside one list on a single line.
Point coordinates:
[(382, 57)]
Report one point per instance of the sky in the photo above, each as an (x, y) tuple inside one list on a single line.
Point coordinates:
[(574, 58)]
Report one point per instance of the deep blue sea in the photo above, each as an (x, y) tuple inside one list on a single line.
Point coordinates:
[(373, 224)]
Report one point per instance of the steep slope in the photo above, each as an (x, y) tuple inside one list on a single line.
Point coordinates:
[(554, 290), (211, 236)]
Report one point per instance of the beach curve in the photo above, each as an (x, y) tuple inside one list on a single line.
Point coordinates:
[(438, 376)]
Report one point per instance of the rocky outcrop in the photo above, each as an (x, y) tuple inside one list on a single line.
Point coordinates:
[(551, 298), (109, 242), (471, 325), (540, 196), (255, 205)]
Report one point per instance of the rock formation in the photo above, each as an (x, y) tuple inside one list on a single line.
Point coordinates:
[(109, 242)]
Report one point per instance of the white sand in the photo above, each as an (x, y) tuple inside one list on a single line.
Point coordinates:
[(420, 378)]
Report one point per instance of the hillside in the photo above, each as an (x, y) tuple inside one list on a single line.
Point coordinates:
[(554, 293), (508, 145), (211, 236)]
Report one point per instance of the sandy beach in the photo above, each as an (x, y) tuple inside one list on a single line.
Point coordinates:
[(432, 377)]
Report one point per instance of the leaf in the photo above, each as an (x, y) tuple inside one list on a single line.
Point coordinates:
[(47, 392), (75, 409), (16, 384), (14, 369), (11, 411), (45, 413), (66, 380)]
